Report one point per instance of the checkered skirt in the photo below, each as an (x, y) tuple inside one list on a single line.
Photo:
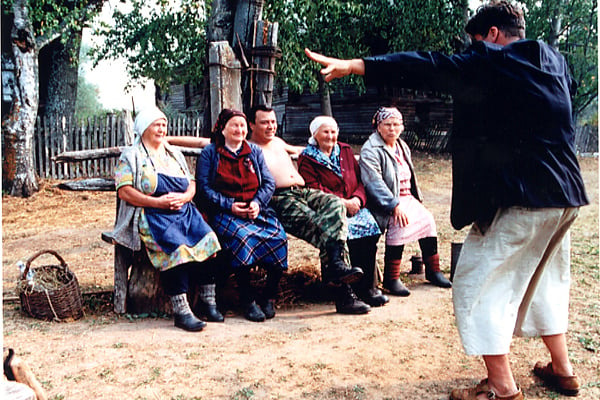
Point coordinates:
[(260, 241)]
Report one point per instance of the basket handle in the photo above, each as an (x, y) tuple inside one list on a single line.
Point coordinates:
[(39, 253)]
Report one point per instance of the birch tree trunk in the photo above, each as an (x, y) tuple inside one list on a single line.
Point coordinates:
[(18, 172)]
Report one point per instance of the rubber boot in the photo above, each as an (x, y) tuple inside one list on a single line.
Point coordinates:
[(207, 304), (391, 278), (184, 317), (433, 273), (274, 274), (363, 253), (338, 272), (346, 301)]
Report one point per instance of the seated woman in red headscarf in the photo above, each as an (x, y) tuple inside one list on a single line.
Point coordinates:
[(330, 166), (234, 189)]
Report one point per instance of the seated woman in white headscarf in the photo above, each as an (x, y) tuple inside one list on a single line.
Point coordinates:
[(330, 166), (155, 188), (395, 200)]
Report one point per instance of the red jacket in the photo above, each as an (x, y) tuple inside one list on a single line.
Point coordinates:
[(319, 177)]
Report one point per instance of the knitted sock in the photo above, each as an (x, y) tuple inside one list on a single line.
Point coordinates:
[(180, 304), (207, 294)]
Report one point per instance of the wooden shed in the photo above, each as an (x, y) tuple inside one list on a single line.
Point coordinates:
[(423, 112)]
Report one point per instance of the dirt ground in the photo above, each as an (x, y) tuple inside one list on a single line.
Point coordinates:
[(408, 349)]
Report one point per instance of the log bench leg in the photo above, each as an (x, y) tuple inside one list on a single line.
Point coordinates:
[(137, 287), (123, 260)]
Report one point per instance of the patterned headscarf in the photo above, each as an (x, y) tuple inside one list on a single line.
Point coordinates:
[(145, 118), (224, 116), (385, 113), (316, 124)]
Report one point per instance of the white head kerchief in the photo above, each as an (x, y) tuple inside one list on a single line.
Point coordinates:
[(145, 118), (316, 124)]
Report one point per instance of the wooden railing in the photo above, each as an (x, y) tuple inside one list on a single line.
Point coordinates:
[(57, 135)]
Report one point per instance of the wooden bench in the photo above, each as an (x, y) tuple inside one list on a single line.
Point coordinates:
[(137, 288)]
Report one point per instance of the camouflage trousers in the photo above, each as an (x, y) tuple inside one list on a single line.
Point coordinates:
[(313, 216)]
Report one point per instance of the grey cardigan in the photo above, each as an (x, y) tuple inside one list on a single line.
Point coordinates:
[(379, 174), (126, 230)]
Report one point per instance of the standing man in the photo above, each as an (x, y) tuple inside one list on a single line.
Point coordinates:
[(516, 179), (317, 217)]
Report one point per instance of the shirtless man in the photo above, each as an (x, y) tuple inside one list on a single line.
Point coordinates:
[(308, 214), (311, 215)]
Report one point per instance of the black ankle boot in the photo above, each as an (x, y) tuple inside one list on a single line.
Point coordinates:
[(254, 313), (268, 308), (373, 297), (347, 303), (338, 272), (210, 312), (189, 322)]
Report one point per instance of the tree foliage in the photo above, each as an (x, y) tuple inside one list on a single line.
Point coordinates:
[(160, 39), (572, 27), (355, 28), (167, 42), (50, 18)]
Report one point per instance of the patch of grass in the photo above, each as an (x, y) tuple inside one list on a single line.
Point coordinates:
[(106, 374), (587, 342), (192, 355), (243, 394), (76, 378)]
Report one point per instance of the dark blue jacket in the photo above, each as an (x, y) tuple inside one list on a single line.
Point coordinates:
[(513, 136), (206, 169)]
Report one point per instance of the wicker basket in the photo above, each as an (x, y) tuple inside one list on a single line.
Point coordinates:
[(57, 303)]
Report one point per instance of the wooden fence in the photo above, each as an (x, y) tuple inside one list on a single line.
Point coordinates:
[(57, 135)]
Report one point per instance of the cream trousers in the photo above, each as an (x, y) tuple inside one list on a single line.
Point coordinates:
[(513, 278)]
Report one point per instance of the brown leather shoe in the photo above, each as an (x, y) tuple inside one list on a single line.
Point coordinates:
[(567, 385), (483, 388)]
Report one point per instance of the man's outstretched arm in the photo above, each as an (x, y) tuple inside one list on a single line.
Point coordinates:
[(335, 67)]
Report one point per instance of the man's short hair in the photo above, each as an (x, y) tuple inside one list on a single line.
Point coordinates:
[(261, 107), (504, 15)]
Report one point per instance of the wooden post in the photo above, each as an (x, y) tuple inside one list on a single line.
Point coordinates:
[(225, 74), (264, 53), (246, 13)]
